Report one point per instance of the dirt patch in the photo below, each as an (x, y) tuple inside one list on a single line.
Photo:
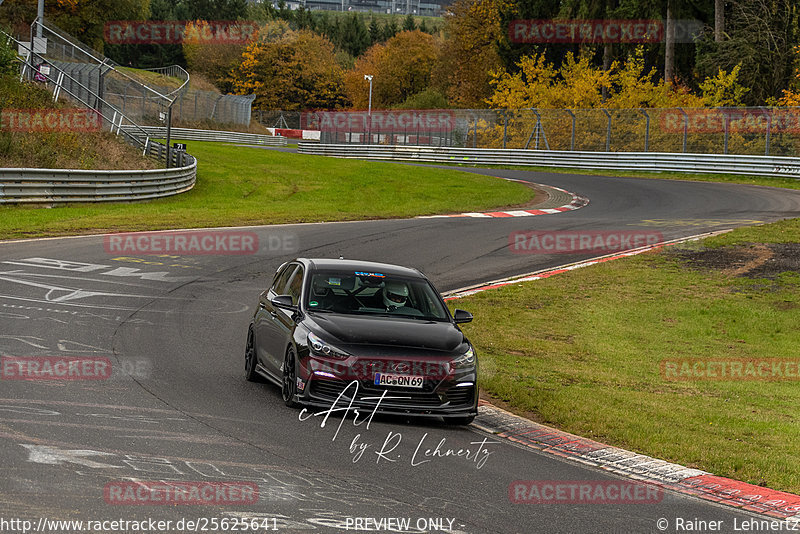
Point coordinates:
[(751, 261)]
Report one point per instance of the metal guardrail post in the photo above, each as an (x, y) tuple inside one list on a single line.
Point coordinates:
[(726, 132), (475, 132), (505, 127), (572, 134), (685, 127), (646, 129), (169, 135), (768, 114), (608, 129)]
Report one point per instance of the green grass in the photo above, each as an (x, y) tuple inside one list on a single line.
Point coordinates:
[(249, 186), (581, 351)]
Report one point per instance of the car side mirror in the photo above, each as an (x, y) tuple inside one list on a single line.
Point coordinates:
[(462, 316), (284, 302)]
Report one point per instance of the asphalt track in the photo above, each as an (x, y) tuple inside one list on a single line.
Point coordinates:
[(177, 407)]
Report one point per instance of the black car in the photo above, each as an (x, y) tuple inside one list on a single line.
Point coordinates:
[(375, 335)]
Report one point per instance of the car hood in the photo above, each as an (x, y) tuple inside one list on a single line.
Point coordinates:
[(391, 331)]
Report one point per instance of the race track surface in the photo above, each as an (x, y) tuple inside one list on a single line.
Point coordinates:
[(177, 407)]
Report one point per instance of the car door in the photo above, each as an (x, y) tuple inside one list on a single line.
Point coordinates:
[(268, 335), (284, 320)]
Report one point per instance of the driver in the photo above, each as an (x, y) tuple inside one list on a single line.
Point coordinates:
[(395, 294)]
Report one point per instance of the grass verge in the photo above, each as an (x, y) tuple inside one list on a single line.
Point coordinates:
[(248, 186), (582, 352)]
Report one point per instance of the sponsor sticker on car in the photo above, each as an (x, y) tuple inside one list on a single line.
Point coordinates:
[(385, 379)]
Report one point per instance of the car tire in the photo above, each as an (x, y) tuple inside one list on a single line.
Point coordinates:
[(250, 360), (459, 420), (289, 379)]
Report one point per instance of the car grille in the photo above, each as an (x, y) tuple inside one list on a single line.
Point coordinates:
[(425, 397)]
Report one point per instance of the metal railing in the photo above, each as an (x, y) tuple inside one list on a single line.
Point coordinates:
[(620, 161), (756, 131), (21, 185), (188, 134), (18, 186)]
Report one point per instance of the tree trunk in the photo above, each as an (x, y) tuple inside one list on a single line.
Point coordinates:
[(669, 53), (608, 52), (719, 19)]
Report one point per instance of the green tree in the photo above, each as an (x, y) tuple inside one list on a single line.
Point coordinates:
[(354, 38), (375, 35), (390, 29), (760, 38), (408, 24)]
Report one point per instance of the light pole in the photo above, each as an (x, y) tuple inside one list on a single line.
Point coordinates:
[(369, 107)]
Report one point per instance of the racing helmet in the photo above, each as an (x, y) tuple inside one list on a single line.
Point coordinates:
[(395, 294)]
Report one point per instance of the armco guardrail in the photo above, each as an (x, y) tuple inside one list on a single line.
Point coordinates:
[(68, 185), (619, 161), (160, 132)]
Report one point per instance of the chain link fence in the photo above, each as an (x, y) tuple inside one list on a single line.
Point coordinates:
[(143, 95), (290, 120), (750, 131)]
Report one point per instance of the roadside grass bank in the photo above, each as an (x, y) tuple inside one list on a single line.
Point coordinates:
[(239, 186), (587, 352)]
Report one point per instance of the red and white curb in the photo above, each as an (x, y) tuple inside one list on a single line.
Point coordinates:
[(576, 203), (675, 477), (547, 273)]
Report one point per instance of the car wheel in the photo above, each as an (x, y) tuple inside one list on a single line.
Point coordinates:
[(250, 357), (459, 420), (289, 381)]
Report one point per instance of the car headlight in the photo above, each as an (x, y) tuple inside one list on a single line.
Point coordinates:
[(325, 349), (466, 360)]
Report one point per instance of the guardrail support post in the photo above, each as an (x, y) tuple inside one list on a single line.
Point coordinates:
[(726, 131), (646, 129), (169, 135), (505, 127), (475, 132), (608, 130), (685, 127), (572, 135)]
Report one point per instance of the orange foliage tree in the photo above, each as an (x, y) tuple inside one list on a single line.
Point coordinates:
[(292, 70), (401, 67), (469, 53)]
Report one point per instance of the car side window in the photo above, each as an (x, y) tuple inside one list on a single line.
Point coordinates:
[(296, 286), (279, 285)]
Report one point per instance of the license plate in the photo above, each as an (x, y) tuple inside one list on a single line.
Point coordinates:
[(406, 381)]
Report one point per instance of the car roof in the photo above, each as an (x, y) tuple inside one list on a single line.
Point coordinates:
[(323, 264)]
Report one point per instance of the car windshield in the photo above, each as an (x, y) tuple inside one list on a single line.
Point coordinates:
[(373, 293)]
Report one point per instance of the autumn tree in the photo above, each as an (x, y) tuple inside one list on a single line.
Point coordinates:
[(83, 19), (469, 53), (578, 83), (401, 67), (211, 59), (292, 70)]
